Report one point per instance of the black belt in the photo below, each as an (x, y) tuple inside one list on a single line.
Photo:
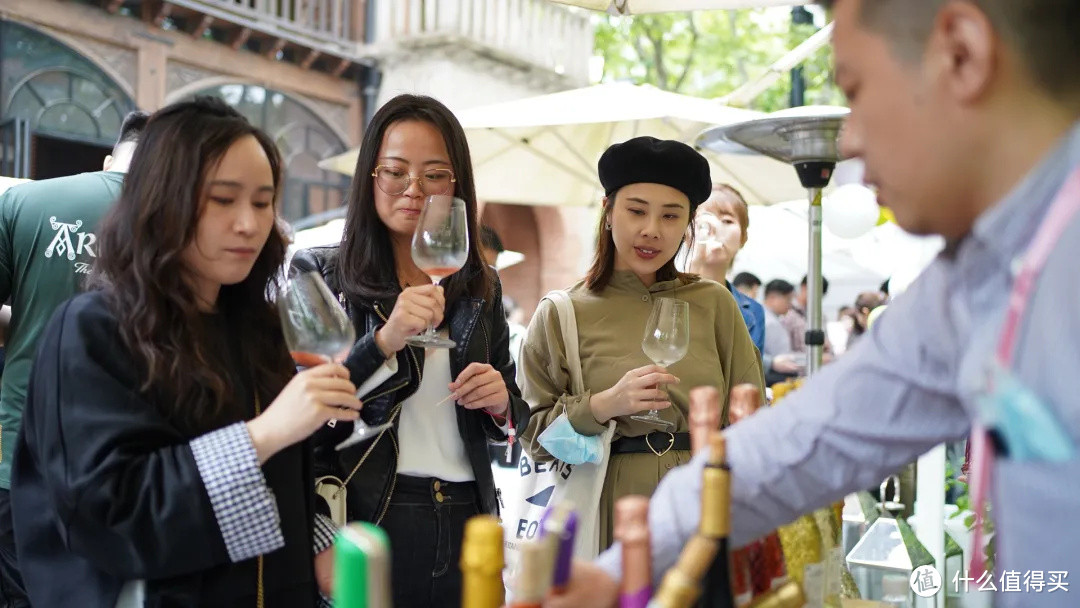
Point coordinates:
[(657, 442)]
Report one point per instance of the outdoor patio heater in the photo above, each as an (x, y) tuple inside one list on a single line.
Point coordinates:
[(806, 138)]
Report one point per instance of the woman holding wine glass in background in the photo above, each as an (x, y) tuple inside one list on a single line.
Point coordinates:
[(411, 220), (162, 459), (721, 231), (653, 189)]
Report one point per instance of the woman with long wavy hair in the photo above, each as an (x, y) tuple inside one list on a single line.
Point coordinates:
[(162, 460), (424, 477)]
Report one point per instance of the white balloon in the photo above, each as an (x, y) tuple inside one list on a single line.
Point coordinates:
[(849, 171), (851, 211)]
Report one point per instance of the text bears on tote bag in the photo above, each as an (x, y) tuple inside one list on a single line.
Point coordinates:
[(547, 483)]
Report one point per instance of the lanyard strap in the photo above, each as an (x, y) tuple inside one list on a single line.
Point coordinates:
[(1062, 210), (1049, 233)]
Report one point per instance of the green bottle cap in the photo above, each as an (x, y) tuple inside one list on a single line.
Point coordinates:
[(361, 567)]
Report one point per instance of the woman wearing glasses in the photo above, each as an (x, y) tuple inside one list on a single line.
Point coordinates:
[(424, 477), (653, 190)]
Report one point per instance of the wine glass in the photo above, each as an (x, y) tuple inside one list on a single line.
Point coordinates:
[(440, 247), (667, 338), (318, 330)]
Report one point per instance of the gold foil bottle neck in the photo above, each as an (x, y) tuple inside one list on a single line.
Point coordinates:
[(681, 585), (482, 563), (789, 595), (482, 547), (715, 503), (677, 591)]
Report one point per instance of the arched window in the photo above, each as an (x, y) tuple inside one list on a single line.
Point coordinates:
[(70, 107), (303, 138), (65, 103)]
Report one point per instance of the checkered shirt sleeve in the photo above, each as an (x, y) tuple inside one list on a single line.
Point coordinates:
[(243, 504), (325, 530)]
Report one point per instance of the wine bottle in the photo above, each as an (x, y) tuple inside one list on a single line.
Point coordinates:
[(533, 578), (560, 522), (482, 563), (681, 585), (763, 558), (362, 567), (789, 595), (632, 530), (716, 524), (704, 419)]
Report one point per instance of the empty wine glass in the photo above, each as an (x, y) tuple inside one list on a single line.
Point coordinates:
[(318, 330), (440, 247), (667, 338)]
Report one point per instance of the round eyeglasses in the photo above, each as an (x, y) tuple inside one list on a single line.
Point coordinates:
[(395, 180)]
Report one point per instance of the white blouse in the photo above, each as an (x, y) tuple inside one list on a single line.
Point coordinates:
[(430, 444)]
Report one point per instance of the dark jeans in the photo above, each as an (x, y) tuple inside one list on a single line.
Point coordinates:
[(426, 523), (12, 593)]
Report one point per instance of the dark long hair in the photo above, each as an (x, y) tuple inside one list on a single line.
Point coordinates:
[(603, 264), (366, 259), (140, 266)]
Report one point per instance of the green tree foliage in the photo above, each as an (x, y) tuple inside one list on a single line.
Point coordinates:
[(711, 53)]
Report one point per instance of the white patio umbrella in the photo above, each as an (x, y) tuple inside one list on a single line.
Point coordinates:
[(630, 7), (543, 150), (330, 234)]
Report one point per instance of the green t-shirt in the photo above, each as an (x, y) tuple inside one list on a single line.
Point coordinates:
[(47, 248)]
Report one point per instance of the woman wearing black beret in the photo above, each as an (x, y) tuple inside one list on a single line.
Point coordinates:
[(653, 188)]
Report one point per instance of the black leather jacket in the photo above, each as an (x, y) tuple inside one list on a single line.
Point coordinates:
[(372, 465)]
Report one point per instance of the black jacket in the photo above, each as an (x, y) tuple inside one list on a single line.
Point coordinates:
[(479, 326), (105, 489)]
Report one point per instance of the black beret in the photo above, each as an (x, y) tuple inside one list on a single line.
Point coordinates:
[(647, 160)]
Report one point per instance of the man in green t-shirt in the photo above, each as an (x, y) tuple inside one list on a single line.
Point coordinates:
[(47, 248)]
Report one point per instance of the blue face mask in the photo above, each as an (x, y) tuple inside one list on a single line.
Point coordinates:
[(566, 444), (1027, 428)]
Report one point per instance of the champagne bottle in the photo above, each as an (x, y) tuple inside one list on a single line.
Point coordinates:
[(632, 530), (774, 573), (742, 582), (560, 523), (763, 558), (482, 563), (716, 524), (681, 585), (362, 567), (744, 401), (704, 419)]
